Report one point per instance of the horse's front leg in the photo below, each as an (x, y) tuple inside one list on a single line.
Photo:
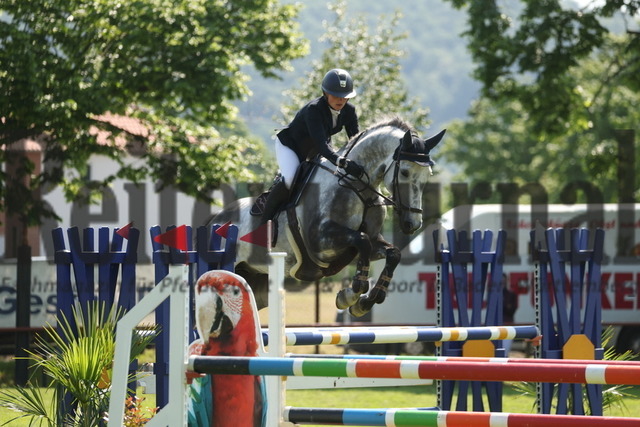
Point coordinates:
[(360, 284), (379, 292)]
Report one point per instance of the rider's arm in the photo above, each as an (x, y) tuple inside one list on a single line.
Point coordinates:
[(319, 135), (350, 120)]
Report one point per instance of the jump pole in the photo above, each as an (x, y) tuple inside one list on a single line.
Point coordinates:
[(429, 418), (576, 373), (472, 359), (399, 334)]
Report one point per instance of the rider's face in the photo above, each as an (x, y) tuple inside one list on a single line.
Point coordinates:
[(335, 102)]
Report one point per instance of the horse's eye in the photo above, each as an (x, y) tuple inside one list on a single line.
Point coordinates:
[(404, 173)]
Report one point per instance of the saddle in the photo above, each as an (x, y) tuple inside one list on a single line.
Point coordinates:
[(303, 176), (307, 268)]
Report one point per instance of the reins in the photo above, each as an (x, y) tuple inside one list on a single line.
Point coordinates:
[(346, 181)]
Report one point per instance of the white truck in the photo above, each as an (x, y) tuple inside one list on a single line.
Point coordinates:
[(412, 293)]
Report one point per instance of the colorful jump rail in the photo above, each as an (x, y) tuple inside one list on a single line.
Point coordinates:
[(572, 373), (469, 359), (395, 334), (174, 413), (432, 418)]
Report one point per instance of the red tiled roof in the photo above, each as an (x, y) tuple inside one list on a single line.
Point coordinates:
[(129, 125), (26, 144)]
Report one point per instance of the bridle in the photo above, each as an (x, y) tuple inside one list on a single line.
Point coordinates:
[(395, 200)]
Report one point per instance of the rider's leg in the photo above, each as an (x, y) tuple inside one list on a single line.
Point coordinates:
[(288, 163), (279, 194)]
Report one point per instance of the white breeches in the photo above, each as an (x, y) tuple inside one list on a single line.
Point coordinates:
[(287, 161)]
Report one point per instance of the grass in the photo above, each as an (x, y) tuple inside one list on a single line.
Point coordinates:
[(391, 397), (425, 396), (300, 310)]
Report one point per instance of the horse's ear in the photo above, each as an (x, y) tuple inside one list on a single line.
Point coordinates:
[(407, 141), (434, 140)]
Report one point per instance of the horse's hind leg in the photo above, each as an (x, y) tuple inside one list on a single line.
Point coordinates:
[(360, 284), (379, 292)]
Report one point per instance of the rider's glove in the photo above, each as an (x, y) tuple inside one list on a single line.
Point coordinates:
[(354, 169)]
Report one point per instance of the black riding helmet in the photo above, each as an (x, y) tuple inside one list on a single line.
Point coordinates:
[(338, 82)]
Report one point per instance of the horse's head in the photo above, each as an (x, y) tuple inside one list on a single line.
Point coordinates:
[(412, 169)]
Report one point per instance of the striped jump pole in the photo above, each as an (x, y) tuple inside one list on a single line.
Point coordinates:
[(470, 359), (395, 334), (432, 418), (459, 371)]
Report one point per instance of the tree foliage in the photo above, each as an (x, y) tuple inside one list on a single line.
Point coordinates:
[(558, 87), (372, 57), (527, 50), (175, 66)]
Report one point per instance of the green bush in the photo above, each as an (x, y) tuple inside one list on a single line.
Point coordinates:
[(77, 358)]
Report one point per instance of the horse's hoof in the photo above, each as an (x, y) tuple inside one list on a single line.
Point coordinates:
[(362, 307), (345, 298)]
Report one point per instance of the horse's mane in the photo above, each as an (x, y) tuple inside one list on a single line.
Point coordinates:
[(392, 121)]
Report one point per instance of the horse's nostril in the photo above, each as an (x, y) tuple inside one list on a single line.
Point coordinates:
[(410, 227)]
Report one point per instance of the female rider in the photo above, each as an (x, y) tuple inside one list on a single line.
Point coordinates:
[(309, 134)]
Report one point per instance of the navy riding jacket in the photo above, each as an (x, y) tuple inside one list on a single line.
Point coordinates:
[(309, 133)]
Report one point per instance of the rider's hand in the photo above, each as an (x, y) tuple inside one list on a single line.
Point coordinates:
[(354, 169)]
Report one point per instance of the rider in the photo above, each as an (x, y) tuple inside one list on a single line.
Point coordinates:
[(309, 134)]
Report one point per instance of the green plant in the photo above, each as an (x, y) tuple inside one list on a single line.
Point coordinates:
[(77, 357), (612, 397)]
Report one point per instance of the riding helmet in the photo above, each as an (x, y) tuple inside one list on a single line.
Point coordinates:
[(338, 82)]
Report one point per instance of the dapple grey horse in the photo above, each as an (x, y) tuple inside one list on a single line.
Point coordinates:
[(339, 218)]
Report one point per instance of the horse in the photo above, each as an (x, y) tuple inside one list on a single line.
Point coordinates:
[(338, 217)]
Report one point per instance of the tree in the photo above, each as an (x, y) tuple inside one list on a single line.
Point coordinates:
[(558, 86), (174, 66), (372, 59), (501, 142), (527, 50)]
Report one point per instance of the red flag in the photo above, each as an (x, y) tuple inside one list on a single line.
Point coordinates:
[(259, 236), (223, 230), (124, 231), (175, 238)]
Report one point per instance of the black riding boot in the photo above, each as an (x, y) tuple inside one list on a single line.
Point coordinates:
[(278, 195)]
